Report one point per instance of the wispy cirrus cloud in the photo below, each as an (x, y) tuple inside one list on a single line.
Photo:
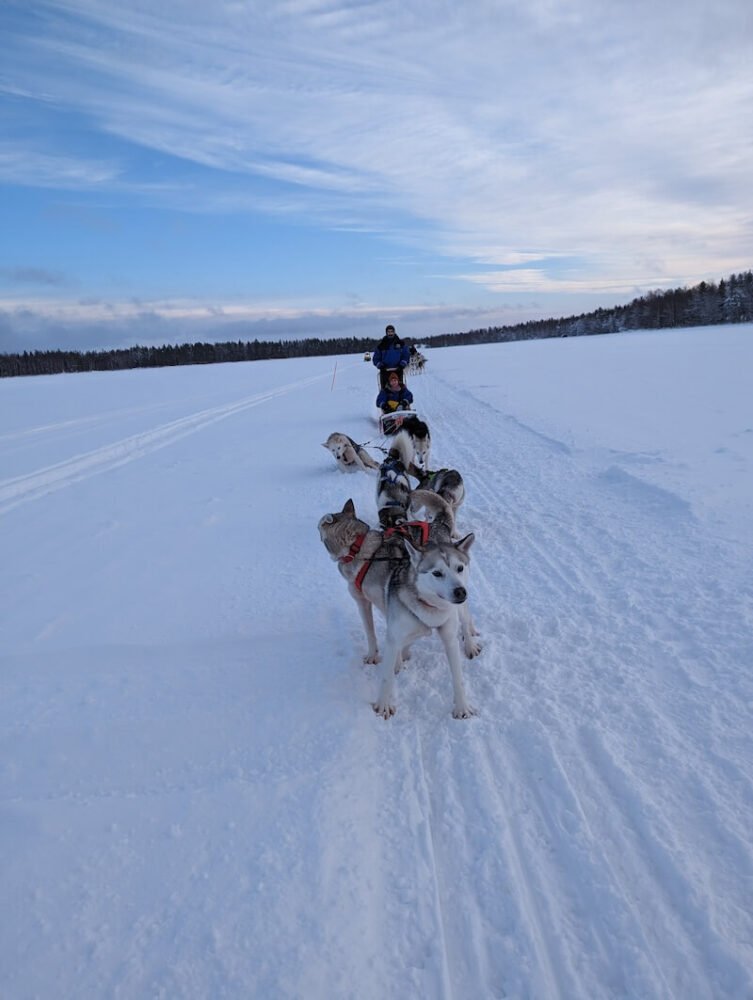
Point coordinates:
[(20, 164), (545, 146)]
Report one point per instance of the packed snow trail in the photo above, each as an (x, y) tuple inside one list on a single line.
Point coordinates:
[(583, 648)]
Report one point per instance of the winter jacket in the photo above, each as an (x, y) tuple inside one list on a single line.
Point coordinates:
[(391, 352), (394, 399)]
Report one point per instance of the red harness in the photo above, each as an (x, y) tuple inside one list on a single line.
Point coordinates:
[(354, 549), (398, 529)]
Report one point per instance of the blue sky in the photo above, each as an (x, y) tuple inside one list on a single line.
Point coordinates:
[(192, 170)]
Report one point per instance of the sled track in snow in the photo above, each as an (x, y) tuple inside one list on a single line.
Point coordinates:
[(22, 489), (566, 602)]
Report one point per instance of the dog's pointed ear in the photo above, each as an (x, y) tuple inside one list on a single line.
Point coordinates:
[(325, 445), (349, 508), (465, 543), (414, 554), (328, 519)]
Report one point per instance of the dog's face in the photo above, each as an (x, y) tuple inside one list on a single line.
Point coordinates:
[(442, 572), (336, 445), (421, 449), (341, 449)]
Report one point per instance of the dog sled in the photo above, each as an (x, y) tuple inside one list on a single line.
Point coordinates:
[(390, 423)]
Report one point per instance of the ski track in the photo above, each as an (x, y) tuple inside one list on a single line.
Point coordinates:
[(534, 767), (80, 423), (23, 489)]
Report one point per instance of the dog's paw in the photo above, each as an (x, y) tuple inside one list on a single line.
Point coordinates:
[(472, 647), (372, 658), (383, 708), (463, 712)]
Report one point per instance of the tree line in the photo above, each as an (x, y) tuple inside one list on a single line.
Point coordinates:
[(706, 304)]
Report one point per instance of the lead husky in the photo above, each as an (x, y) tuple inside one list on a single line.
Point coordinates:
[(442, 529), (417, 590), (350, 457)]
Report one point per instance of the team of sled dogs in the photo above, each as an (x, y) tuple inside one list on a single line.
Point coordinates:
[(414, 572)]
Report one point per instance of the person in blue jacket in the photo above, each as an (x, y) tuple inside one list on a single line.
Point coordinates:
[(390, 352), (394, 396)]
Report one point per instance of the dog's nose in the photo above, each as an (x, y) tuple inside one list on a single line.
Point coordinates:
[(459, 594)]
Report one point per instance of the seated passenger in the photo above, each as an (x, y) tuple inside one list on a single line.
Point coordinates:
[(394, 396)]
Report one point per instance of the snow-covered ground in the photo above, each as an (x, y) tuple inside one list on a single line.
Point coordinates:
[(197, 800)]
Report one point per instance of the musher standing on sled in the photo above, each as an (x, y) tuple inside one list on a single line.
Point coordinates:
[(390, 353)]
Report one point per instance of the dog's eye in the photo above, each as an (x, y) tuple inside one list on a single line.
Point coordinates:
[(438, 572), (460, 569)]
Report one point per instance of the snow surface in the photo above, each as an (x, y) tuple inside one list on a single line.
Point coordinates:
[(197, 799)]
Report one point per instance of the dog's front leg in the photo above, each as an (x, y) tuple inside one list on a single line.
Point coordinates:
[(449, 636), (385, 704), (471, 646), (366, 612)]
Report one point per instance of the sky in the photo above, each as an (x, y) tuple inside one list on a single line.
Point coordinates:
[(184, 170), (196, 797)]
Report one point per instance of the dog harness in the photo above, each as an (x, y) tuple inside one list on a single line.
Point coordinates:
[(393, 471), (408, 529), (427, 480), (421, 531), (354, 549)]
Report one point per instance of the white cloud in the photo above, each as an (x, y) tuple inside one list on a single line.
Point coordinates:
[(605, 133), (28, 323), (22, 165)]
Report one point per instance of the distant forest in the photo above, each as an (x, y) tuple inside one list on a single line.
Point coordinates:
[(706, 304)]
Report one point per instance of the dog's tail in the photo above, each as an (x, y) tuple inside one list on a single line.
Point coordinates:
[(402, 448)]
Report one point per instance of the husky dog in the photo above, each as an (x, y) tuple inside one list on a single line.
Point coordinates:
[(417, 590), (393, 485), (447, 483), (354, 545), (350, 457), (420, 439), (442, 530)]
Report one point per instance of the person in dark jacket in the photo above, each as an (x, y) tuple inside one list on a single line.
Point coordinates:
[(390, 352), (394, 396)]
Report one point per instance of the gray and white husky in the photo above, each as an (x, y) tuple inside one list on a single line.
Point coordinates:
[(350, 457), (416, 589), (447, 483), (442, 529)]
